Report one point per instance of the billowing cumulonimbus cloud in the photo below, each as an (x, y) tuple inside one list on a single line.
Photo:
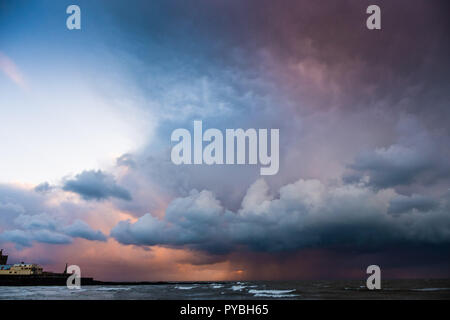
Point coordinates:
[(366, 211), (96, 185), (194, 220), (306, 213)]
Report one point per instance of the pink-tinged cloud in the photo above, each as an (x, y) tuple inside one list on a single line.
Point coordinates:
[(10, 69)]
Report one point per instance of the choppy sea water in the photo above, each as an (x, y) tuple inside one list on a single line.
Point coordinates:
[(391, 289)]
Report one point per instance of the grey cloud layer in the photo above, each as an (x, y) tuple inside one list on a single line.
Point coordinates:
[(80, 229), (26, 218), (404, 204), (24, 238), (417, 157), (307, 213), (45, 228)]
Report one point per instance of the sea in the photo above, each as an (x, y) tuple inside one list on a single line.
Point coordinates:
[(240, 290)]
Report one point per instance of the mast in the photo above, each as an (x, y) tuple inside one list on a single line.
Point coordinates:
[(3, 259)]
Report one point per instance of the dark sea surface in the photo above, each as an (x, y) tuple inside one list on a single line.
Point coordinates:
[(353, 289)]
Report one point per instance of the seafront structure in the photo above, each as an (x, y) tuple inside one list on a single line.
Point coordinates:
[(29, 274), (17, 268)]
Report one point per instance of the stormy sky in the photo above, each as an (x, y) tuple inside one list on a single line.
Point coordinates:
[(86, 175)]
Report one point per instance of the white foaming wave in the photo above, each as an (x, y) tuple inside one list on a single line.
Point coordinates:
[(431, 289), (112, 289), (184, 288), (273, 293), (270, 291), (17, 294), (237, 288)]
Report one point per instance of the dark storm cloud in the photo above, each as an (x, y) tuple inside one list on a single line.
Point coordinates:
[(326, 50), (321, 55), (392, 166), (307, 213), (403, 204), (96, 185), (265, 64), (274, 64), (195, 220)]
